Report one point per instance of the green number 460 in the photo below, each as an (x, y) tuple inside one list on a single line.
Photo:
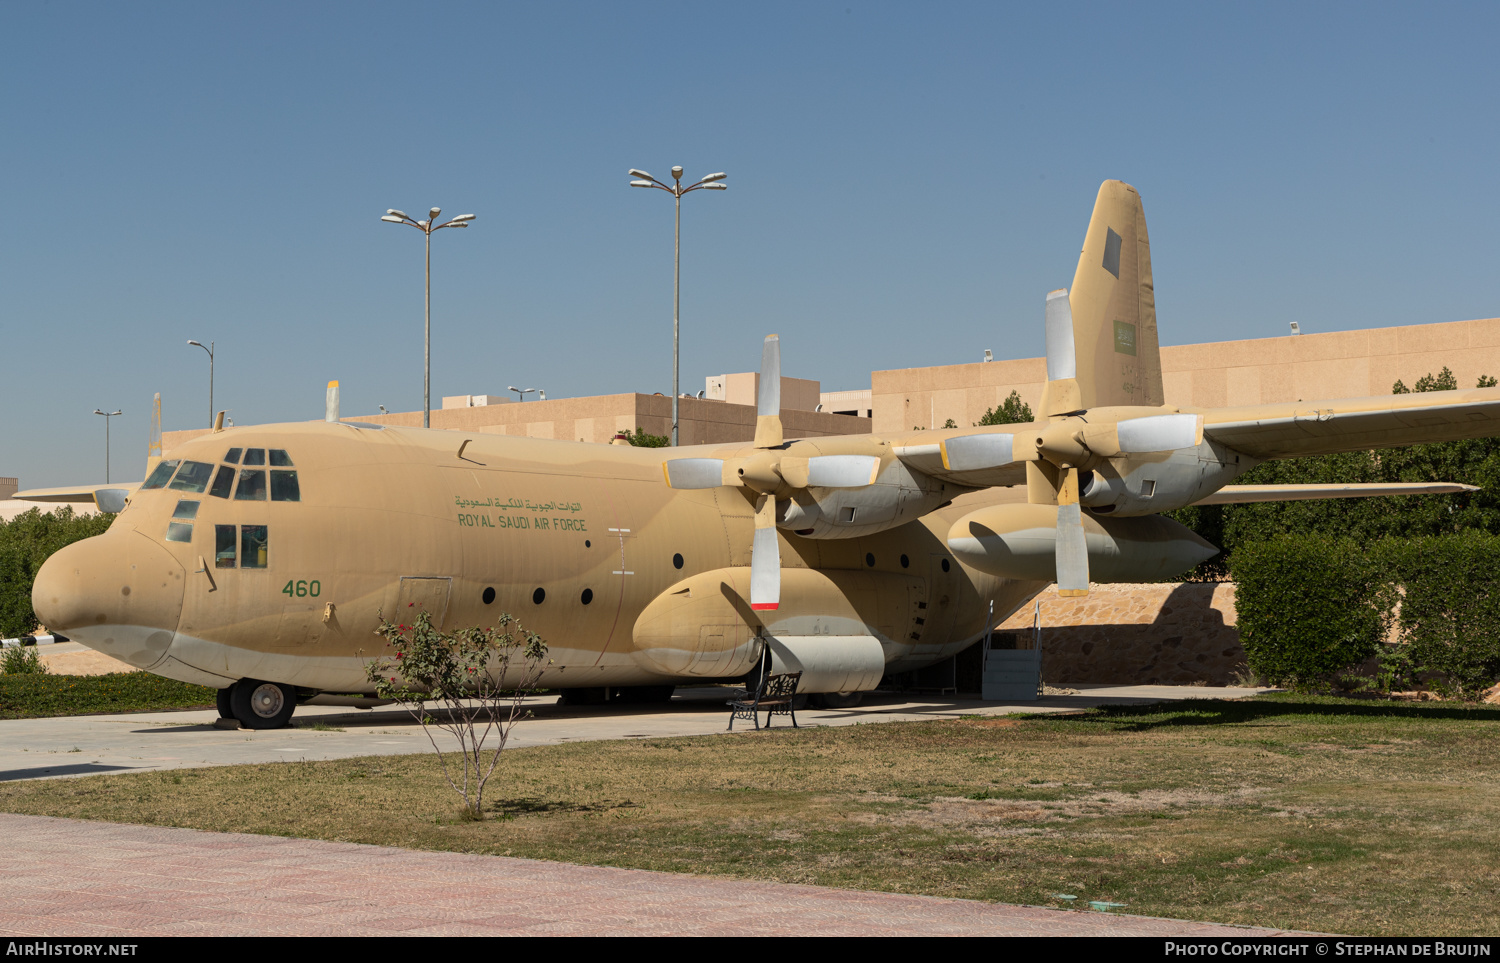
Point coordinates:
[(300, 589)]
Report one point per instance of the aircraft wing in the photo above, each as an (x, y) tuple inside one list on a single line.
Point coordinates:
[(107, 498), (1242, 494), (1355, 424)]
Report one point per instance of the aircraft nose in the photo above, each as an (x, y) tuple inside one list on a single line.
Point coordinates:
[(119, 592)]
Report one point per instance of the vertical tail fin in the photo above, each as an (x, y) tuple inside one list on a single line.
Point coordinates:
[(1112, 357)]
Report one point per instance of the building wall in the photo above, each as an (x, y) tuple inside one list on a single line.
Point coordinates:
[(1338, 364), (743, 388), (1144, 634), (597, 419)]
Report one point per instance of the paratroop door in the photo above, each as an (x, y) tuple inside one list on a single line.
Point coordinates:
[(422, 594)]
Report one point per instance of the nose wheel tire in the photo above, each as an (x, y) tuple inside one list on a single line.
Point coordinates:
[(262, 705), (226, 711)]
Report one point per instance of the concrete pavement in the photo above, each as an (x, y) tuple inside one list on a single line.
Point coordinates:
[(135, 742)]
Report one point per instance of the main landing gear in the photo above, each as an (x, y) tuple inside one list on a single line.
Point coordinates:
[(257, 704)]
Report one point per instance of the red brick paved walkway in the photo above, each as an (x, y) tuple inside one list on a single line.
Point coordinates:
[(67, 877)]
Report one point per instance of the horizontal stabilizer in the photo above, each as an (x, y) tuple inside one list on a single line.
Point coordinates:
[(80, 494)]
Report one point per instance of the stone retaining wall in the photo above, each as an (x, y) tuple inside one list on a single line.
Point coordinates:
[(1143, 634)]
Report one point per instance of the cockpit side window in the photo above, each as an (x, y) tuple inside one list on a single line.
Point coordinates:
[(223, 482), (280, 459), (224, 545), (192, 477), (252, 486), (255, 456), (253, 547), (161, 473), (233, 456), (284, 486), (180, 528)]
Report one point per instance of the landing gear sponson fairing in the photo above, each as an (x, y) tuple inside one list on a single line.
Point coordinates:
[(259, 559)]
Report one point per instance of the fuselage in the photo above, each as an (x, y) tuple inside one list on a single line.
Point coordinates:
[(273, 552)]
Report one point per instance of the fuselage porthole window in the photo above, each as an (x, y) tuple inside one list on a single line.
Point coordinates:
[(193, 476), (223, 482), (254, 552), (255, 456), (280, 459), (224, 546), (161, 474), (284, 486), (233, 457), (252, 486)]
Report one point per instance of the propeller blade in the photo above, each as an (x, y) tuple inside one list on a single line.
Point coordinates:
[(765, 558), (768, 402), (842, 471), (977, 452), (1154, 433), (694, 472), (1072, 548), (1061, 361)]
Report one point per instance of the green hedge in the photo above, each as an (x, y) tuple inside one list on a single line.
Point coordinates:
[(1448, 605), (25, 543), (1309, 607), (1312, 607)]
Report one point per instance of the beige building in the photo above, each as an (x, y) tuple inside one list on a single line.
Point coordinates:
[(1340, 364), (597, 419)]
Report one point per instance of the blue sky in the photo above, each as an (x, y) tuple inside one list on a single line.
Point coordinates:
[(906, 183)]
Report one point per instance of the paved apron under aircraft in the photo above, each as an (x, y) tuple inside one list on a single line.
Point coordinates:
[(258, 560)]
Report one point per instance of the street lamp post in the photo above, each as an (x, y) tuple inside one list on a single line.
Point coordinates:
[(210, 349), (107, 415), (712, 182), (427, 227)]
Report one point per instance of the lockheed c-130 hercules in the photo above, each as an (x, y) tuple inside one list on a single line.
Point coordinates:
[(258, 560)]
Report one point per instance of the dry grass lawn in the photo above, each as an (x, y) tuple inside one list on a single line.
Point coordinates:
[(1302, 812)]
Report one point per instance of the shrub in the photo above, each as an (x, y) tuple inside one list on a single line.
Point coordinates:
[(22, 660), (1449, 614), (1309, 606), (479, 678)]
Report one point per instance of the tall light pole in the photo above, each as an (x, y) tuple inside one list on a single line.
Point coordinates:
[(427, 227), (710, 183), (107, 415), (210, 349)]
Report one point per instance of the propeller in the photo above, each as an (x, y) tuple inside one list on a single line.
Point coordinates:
[(1073, 441), (772, 474)]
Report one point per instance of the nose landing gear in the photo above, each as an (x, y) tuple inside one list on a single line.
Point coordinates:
[(257, 704)]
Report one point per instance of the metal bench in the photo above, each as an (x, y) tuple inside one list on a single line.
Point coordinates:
[(775, 693)]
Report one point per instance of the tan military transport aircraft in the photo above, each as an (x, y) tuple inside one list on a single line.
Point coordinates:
[(257, 559)]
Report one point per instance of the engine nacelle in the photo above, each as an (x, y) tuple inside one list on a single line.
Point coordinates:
[(1147, 484), (836, 627), (899, 495), (1020, 542)]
